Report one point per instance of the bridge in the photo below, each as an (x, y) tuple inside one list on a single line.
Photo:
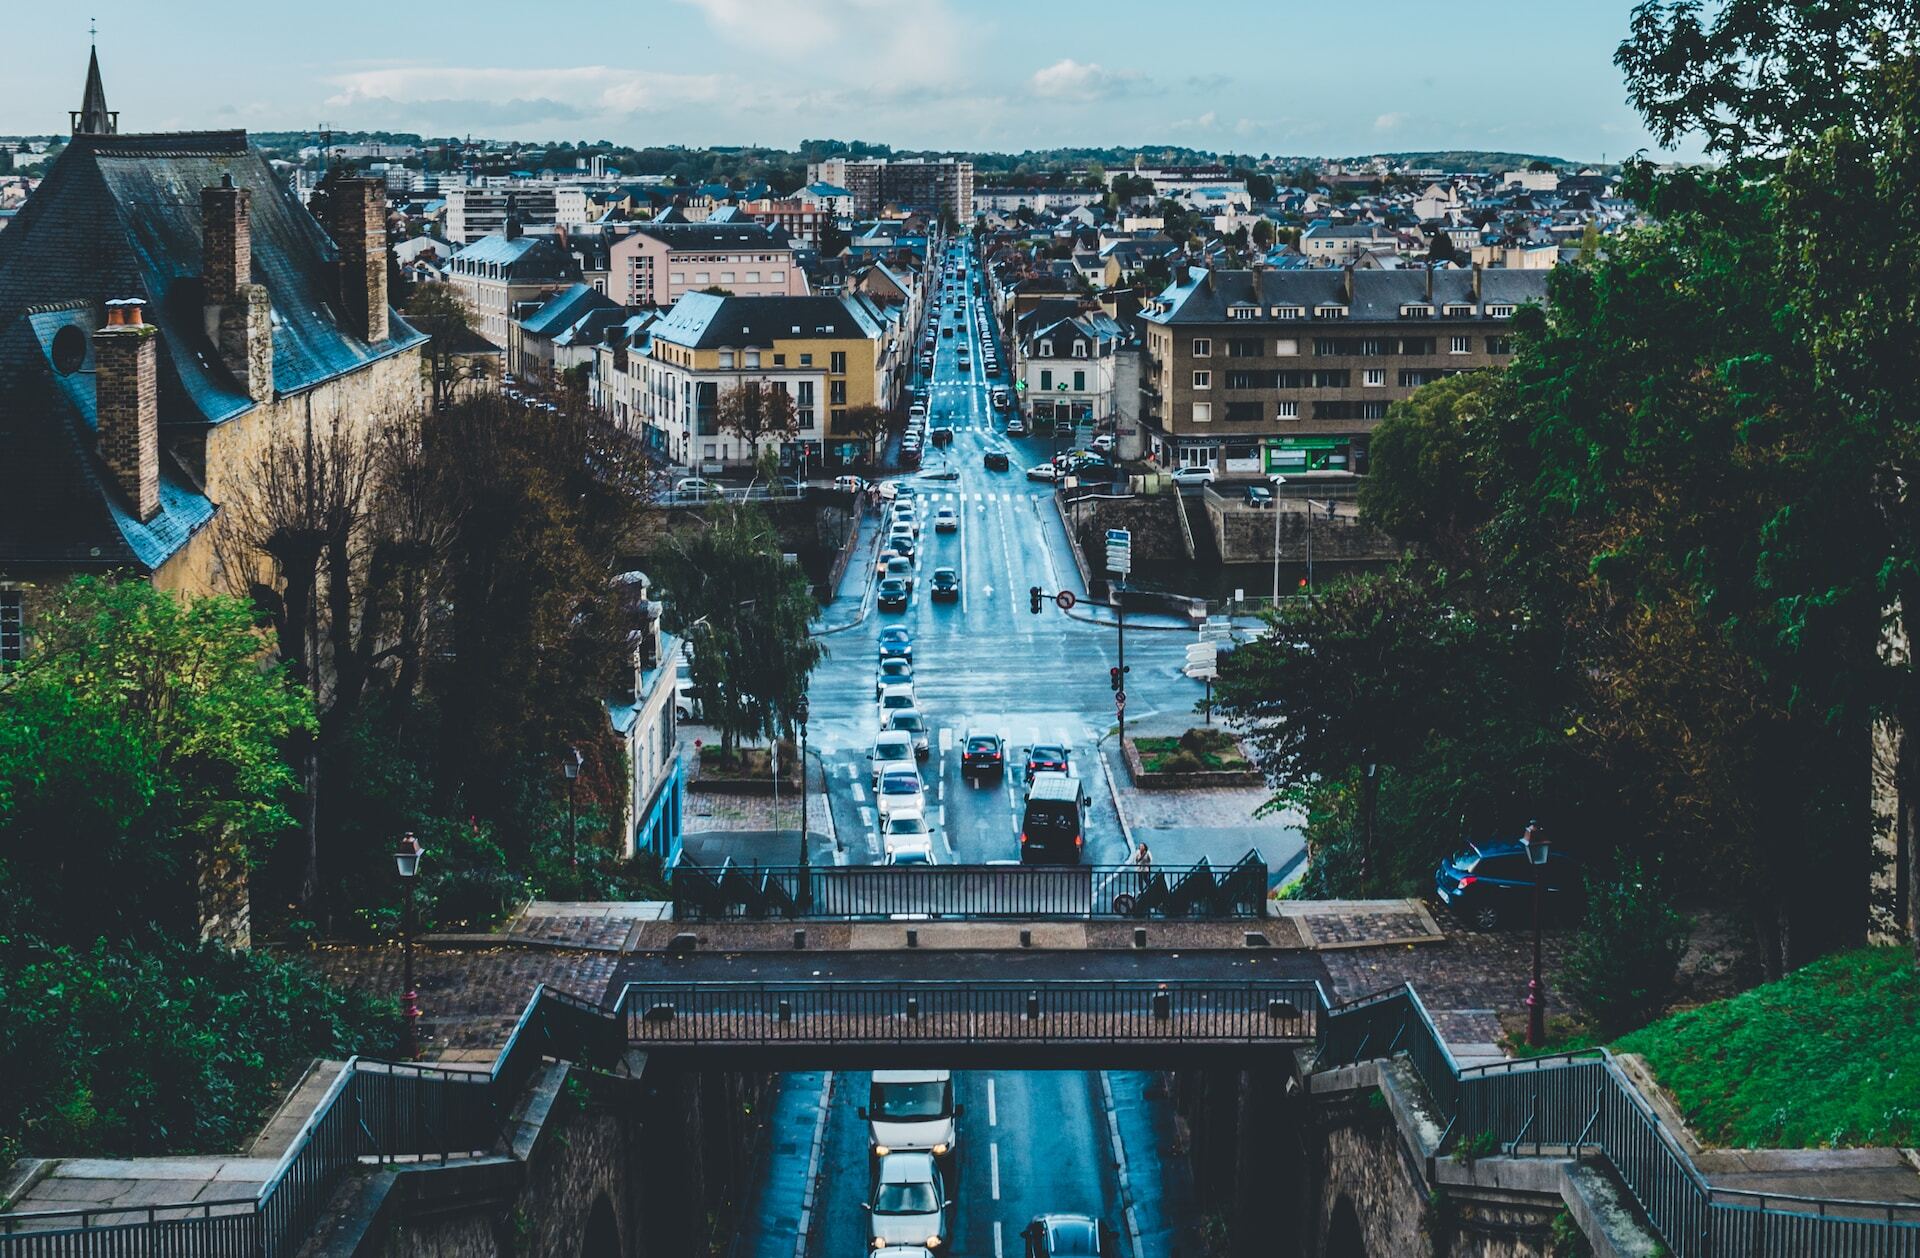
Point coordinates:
[(1571, 1105)]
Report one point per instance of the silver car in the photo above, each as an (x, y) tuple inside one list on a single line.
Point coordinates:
[(909, 1205)]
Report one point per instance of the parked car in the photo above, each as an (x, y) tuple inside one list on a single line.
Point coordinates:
[(945, 585), (696, 487), (1043, 472), (1491, 882), (982, 754), (909, 1205), (912, 723), (1068, 1236), (1191, 477), (1016, 426), (946, 520), (1103, 443), (900, 795), (997, 461), (896, 642), (893, 595), (1259, 496)]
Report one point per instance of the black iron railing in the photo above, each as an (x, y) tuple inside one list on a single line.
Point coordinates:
[(1079, 892), (860, 1013)]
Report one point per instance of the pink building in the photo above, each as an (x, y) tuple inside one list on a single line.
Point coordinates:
[(660, 262)]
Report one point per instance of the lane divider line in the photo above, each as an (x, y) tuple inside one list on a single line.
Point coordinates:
[(993, 1171)]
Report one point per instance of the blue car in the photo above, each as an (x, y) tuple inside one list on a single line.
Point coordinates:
[(1491, 882)]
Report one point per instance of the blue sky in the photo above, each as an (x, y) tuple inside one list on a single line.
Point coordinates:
[(1275, 76)]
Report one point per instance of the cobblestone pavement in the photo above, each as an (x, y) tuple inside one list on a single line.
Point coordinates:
[(1361, 923), (469, 997), (711, 810)]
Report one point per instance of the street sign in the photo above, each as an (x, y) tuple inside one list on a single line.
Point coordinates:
[(1021, 385), (1203, 661), (1119, 698), (1120, 551), (1064, 600)]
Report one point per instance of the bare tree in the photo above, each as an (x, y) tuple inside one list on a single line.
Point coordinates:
[(866, 424), (454, 356), (755, 410)]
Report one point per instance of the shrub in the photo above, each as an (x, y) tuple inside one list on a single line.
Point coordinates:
[(1624, 956), (1182, 761)]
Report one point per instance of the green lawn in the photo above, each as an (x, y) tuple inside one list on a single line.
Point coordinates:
[(1828, 1057), (1204, 750)]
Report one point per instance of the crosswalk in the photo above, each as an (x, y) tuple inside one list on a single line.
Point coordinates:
[(962, 496)]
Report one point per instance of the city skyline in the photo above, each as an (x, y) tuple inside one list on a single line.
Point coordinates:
[(916, 75)]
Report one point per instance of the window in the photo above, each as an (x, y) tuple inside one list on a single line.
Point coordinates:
[(753, 358), (726, 277), (13, 632), (703, 277), (1203, 412), (776, 277), (806, 393), (753, 277), (836, 392), (806, 417), (1499, 345), (1416, 346), (1243, 412), (1079, 382), (1374, 377), (1243, 347), (1287, 410), (726, 358), (779, 360), (679, 277), (1287, 312), (1202, 347), (1499, 312), (1461, 345), (1242, 312), (1329, 312), (1203, 379), (1079, 349), (1416, 312), (806, 360), (837, 362), (1046, 381), (1046, 349), (1286, 347)]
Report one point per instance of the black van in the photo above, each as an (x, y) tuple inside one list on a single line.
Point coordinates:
[(1053, 828)]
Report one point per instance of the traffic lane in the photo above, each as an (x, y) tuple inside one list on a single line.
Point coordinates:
[(1039, 1146), (846, 1177)]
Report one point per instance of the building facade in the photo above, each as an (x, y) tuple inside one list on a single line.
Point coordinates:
[(1260, 372), (662, 262), (943, 186), (541, 208), (498, 275), (1066, 357)]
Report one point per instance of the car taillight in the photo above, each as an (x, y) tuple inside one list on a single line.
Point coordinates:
[(1023, 838), (1467, 881), (1079, 841)]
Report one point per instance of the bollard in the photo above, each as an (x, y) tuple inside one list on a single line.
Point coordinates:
[(1139, 936), (786, 1011), (1033, 1006), (1026, 939), (913, 1006), (800, 939), (1162, 1006), (913, 939)]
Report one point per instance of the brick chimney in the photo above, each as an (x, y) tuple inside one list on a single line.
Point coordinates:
[(239, 320), (1476, 281), (356, 211), (126, 384)]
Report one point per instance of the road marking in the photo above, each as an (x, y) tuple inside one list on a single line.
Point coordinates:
[(993, 1170), (853, 773), (859, 791), (866, 816), (993, 1113), (997, 1251), (946, 740)]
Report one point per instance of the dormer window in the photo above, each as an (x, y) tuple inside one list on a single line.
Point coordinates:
[(1459, 312), (1287, 312), (1079, 349), (1499, 312), (1242, 312), (1046, 349), (1417, 311), (1329, 312)]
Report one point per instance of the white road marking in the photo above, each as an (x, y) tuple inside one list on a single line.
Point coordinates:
[(859, 791), (993, 1170), (997, 1251), (866, 816), (993, 1112), (853, 772), (946, 740)]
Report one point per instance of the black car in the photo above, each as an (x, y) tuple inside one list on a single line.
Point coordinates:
[(942, 436), (896, 643), (997, 461), (1491, 882), (1046, 758), (982, 754), (893, 595), (1068, 1236), (945, 584)]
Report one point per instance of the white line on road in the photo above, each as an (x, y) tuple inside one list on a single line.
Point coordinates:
[(859, 793), (993, 1170), (993, 1114), (866, 816), (997, 1251)]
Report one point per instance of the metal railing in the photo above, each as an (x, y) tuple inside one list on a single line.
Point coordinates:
[(1582, 1104), (862, 1013), (1079, 892)]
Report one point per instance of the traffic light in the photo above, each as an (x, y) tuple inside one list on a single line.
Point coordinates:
[(1113, 678), (1034, 594)]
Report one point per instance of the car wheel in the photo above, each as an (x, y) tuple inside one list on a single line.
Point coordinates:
[(1484, 916)]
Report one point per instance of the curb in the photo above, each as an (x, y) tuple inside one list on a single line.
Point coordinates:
[(1113, 789), (803, 1231), (1125, 1180)]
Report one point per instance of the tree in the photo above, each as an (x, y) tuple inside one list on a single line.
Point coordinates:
[(866, 424), (757, 411), (449, 362), (139, 739), (1263, 236), (1442, 250), (1259, 186), (754, 649)]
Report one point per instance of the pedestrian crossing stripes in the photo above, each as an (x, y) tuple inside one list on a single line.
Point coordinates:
[(950, 496)]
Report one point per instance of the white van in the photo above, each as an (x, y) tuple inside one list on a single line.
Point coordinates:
[(912, 1111), (917, 411)]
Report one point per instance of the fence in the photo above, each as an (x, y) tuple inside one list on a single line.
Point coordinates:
[(1079, 892), (1581, 1104)]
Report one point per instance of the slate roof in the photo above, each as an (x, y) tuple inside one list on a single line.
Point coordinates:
[(119, 216), (565, 308), (715, 237), (710, 321), (1377, 295), (522, 259)]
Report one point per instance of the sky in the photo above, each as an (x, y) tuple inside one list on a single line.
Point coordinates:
[(1241, 76)]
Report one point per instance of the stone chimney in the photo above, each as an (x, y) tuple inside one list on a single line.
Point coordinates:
[(1346, 283), (126, 384), (356, 218), (239, 319), (1429, 270), (1476, 282)]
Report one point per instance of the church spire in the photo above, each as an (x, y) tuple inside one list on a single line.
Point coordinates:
[(93, 117)]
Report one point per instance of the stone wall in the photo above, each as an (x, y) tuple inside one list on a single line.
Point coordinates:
[(1154, 522), (1245, 534)]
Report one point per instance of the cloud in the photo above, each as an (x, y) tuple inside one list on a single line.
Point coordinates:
[(1388, 122), (1208, 82), (473, 96), (888, 44), (1068, 79)]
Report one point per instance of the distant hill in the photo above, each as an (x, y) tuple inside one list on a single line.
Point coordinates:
[(1475, 159)]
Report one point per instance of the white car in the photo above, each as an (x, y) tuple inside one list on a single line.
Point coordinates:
[(1041, 471), (900, 794), (1103, 443), (910, 720), (1016, 426), (696, 487), (892, 753), (946, 520), (1184, 476), (895, 699), (906, 840), (909, 1205)]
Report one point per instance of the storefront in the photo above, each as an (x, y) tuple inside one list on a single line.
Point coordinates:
[(1309, 454)]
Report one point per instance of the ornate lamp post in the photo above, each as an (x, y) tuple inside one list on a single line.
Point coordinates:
[(1534, 840), (570, 765), (406, 861)]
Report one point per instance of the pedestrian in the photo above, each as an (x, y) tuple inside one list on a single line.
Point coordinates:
[(1143, 864)]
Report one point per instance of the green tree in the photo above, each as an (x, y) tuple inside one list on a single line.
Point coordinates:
[(140, 736), (753, 649), (757, 411)]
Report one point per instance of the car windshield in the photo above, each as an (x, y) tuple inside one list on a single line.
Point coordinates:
[(908, 722), (906, 825), (905, 1199), (982, 744), (1466, 860), (894, 636), (900, 784), (897, 701), (1049, 755), (907, 1102)]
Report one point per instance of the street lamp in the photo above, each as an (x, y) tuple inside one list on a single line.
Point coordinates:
[(801, 710), (1279, 483), (570, 765), (406, 861), (1534, 840)]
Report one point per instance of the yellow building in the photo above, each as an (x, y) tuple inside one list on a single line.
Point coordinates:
[(830, 355)]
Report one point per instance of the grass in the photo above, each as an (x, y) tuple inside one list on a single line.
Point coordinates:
[(750, 763), (1828, 1057), (1196, 751)]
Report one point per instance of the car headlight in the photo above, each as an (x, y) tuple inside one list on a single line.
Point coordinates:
[(933, 1242), (879, 1242), (940, 1150), (881, 1150)]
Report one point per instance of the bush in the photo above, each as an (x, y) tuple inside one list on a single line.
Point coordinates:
[(1182, 761), (466, 875), (1624, 956), (153, 1046), (1202, 742)]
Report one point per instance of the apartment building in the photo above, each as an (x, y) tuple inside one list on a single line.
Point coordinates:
[(829, 354), (802, 220), (1257, 372), (541, 209), (661, 262), (496, 274), (1065, 354), (939, 186), (1041, 200)]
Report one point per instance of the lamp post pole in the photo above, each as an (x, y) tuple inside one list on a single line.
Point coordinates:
[(406, 860), (570, 765), (1535, 841), (801, 711), (1279, 483)]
